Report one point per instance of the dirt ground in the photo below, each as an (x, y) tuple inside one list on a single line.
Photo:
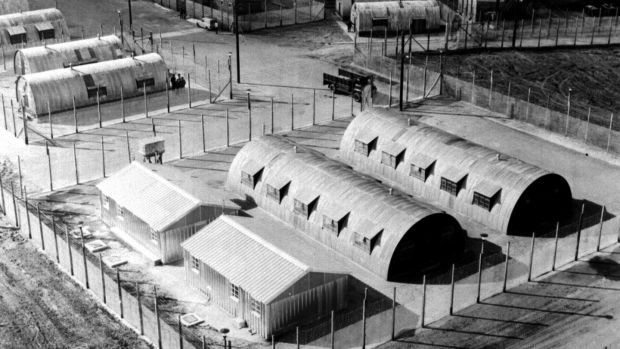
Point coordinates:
[(592, 74), (41, 307)]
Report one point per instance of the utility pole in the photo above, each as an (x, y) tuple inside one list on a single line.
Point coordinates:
[(236, 16), (230, 73), (130, 16), (120, 19), (402, 70)]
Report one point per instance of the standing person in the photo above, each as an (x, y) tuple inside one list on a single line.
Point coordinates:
[(173, 81)]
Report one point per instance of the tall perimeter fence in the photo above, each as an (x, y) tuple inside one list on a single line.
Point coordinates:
[(252, 15), (379, 318)]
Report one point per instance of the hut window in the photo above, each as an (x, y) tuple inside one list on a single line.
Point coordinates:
[(251, 173), (92, 91), (421, 167), (365, 243), (482, 201), (195, 264), (45, 31), (255, 307), (389, 159), (334, 225), (303, 209), (276, 192), (235, 291), (17, 35), (154, 237), (365, 145), (392, 154), (486, 195), (305, 203), (120, 212), (106, 202), (145, 82), (450, 186)]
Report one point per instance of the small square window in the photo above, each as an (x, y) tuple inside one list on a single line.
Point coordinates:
[(235, 292), (334, 226), (18, 39), (303, 209), (195, 264), (449, 186), (363, 147), (421, 173), (154, 237), (92, 91), (148, 82), (365, 243), (255, 307), (46, 34), (275, 193), (120, 212), (106, 202), (484, 201)]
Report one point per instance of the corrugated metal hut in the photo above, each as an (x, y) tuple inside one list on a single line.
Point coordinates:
[(390, 235), (258, 270), (156, 208), (499, 191), (400, 14), (63, 55), (32, 27), (86, 82)]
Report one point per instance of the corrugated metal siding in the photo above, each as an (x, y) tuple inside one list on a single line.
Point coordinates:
[(29, 20), (336, 183), (245, 259), (480, 164), (148, 196), (58, 56), (61, 85)]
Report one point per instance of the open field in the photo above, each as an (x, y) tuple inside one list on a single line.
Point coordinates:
[(41, 307)]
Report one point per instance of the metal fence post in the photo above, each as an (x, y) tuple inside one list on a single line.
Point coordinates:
[(506, 266), (452, 291), (292, 113), (49, 165), (529, 273), (297, 336), (189, 90), (84, 258), (479, 277), (249, 118), (28, 213), (69, 250), (611, 122), (14, 122), (600, 229), (227, 129), (17, 223), (555, 245), (120, 293), (55, 239), (393, 313), (333, 103), (2, 196), (491, 89), (99, 108), (588, 125), (180, 142), (390, 96), (49, 116), (567, 112), (159, 343), (40, 224), (364, 318), (128, 146), (25, 119), (122, 104), (168, 96), (333, 335), (102, 157), (102, 279), (6, 126), (180, 332), (138, 296), (272, 115), (579, 231), (423, 301), (75, 116), (204, 142)]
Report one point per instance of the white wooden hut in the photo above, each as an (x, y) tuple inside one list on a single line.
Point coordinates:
[(466, 179), (259, 270), (63, 55), (32, 27), (88, 83), (155, 208), (388, 234), (399, 14)]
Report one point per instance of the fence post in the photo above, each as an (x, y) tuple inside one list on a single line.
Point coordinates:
[(567, 111), (611, 122), (555, 245), (120, 293), (506, 266), (600, 229), (540, 31), (313, 107), (180, 142), (102, 157), (473, 87), (479, 277), (529, 273), (2, 197), (423, 301), (333, 103), (49, 165), (14, 122), (6, 125), (49, 116), (332, 331), (364, 318), (69, 249), (273, 341), (390, 98), (28, 213), (593, 31), (393, 313), (139, 308), (40, 224), (180, 332), (209, 81), (17, 223), (227, 130), (168, 96), (25, 119), (576, 30), (502, 45), (75, 116), (55, 239), (352, 115), (102, 279), (583, 206), (491, 89), (297, 336), (189, 90), (557, 34), (159, 346), (249, 119), (588, 125), (293, 113), (272, 115), (204, 142), (84, 258), (99, 108), (452, 291)]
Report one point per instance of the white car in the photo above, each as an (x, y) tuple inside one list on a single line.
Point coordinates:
[(207, 23)]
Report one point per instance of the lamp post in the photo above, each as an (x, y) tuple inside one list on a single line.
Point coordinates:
[(483, 237)]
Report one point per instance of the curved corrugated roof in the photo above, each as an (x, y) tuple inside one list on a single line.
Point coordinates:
[(485, 170), (399, 13), (29, 19), (337, 191), (61, 85), (59, 56)]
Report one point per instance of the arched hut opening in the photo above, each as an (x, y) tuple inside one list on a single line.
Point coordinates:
[(421, 15), (462, 177), (88, 83), (391, 235), (63, 55), (25, 28)]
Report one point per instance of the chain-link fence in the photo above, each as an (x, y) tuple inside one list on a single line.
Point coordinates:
[(251, 15)]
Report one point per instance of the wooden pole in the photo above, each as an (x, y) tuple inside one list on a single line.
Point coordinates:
[(128, 146), (189, 91), (159, 343), (55, 239), (49, 116), (168, 96), (555, 245), (99, 108), (14, 122), (180, 142), (506, 266), (204, 141), (28, 214), (423, 300), (452, 291), (84, 258), (102, 158), (600, 229), (333, 103), (138, 296), (364, 317), (390, 97), (40, 224), (25, 119), (611, 122), (102, 279), (583, 206), (75, 116), (491, 89), (292, 113), (529, 273), (272, 115), (479, 277), (227, 129), (69, 250), (249, 118), (49, 166), (424, 78), (393, 313)]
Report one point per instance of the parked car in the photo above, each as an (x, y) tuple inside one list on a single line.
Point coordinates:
[(207, 23)]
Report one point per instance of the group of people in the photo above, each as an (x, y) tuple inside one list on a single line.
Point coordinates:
[(177, 81)]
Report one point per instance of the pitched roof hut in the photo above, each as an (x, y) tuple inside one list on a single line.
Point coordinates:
[(501, 192), (355, 215), (32, 27), (73, 53), (400, 14), (86, 82), (159, 208)]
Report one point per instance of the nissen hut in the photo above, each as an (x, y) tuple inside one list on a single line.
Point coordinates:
[(63, 55), (501, 192), (421, 14), (155, 208), (388, 234), (32, 27), (86, 84)]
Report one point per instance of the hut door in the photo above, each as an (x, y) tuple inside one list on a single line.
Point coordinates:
[(21, 63)]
